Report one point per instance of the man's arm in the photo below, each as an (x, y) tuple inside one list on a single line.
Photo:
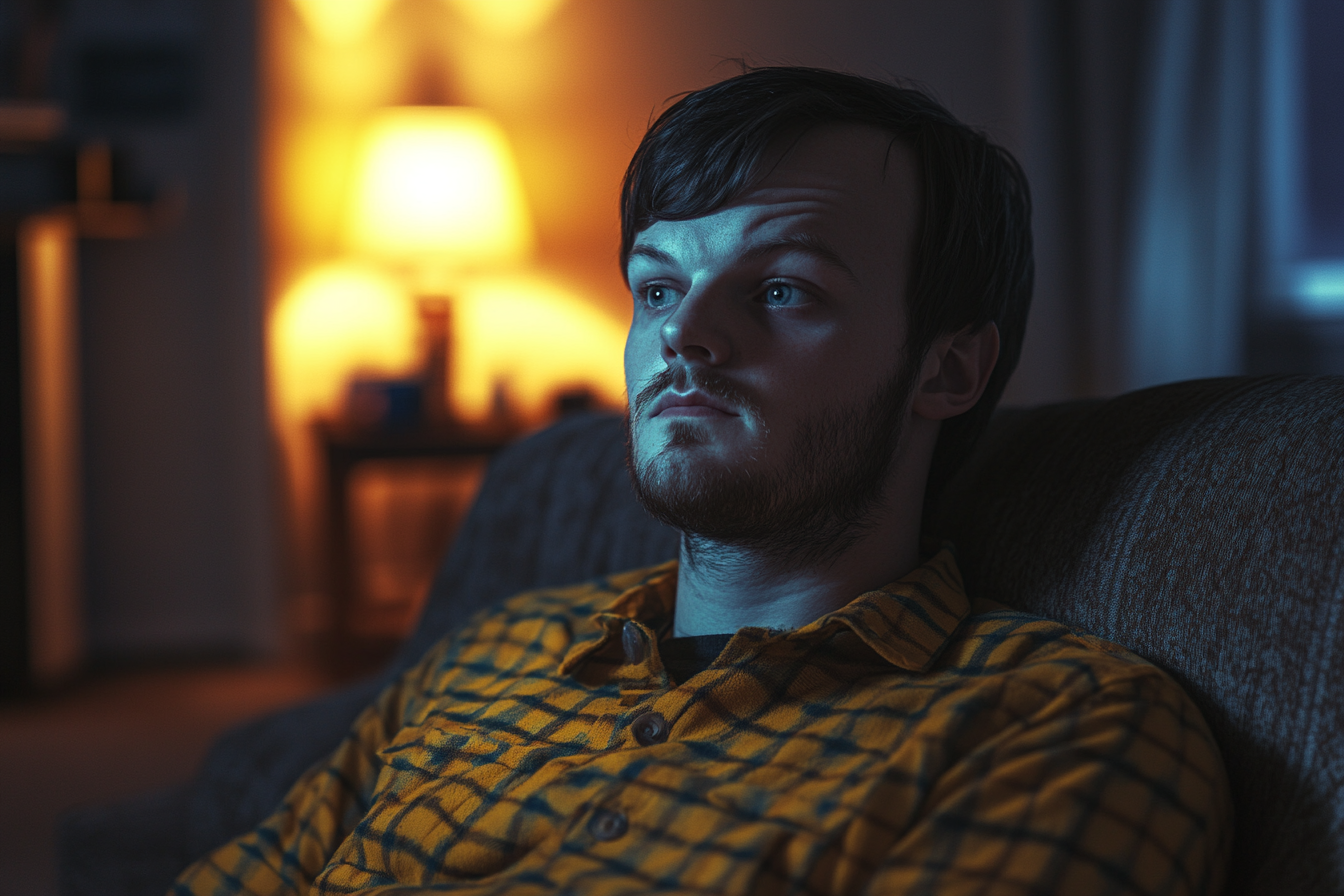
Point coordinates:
[(291, 847), (1120, 792)]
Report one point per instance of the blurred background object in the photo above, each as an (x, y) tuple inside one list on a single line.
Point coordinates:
[(270, 373), (437, 187), (100, 139)]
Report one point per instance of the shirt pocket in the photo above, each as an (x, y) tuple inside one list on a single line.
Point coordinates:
[(441, 750), (460, 793), (460, 761)]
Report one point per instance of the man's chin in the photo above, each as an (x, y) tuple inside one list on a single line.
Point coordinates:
[(683, 492), (688, 459), (689, 440), (694, 483), (686, 433)]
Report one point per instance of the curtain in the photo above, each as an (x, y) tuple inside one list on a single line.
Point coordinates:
[(1191, 246), (1139, 125)]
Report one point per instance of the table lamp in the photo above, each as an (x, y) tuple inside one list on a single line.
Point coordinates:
[(437, 194)]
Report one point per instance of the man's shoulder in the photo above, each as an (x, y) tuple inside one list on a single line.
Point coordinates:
[(997, 640)]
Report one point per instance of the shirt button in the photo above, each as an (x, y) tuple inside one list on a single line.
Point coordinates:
[(650, 729), (608, 824), (632, 642)]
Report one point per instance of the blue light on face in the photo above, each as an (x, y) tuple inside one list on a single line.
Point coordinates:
[(1320, 287)]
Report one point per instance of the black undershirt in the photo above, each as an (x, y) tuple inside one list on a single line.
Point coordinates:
[(684, 657)]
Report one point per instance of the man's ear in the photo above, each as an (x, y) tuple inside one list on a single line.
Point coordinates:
[(956, 369)]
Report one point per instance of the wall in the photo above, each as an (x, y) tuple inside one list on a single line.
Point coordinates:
[(576, 95), (182, 499), (180, 556)]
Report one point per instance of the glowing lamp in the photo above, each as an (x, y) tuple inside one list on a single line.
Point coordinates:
[(436, 187), (341, 21)]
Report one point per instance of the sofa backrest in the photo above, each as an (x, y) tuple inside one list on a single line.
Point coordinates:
[(1200, 524)]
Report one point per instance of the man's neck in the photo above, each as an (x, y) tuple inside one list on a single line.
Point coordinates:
[(722, 588)]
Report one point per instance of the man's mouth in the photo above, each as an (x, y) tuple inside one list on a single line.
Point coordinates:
[(691, 404), (675, 393)]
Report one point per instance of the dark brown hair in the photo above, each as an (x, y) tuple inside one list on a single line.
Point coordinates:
[(972, 261)]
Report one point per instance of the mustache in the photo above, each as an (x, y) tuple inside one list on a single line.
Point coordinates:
[(683, 380)]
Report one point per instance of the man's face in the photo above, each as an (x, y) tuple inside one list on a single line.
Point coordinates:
[(764, 362)]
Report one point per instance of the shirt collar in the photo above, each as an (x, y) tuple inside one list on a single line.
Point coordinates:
[(649, 601), (907, 623), (910, 621)]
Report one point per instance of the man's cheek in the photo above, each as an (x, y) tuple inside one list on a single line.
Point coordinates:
[(631, 386), (637, 366)]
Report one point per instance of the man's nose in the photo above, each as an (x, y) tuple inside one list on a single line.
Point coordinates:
[(696, 331)]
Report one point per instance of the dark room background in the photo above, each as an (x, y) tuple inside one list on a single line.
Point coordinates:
[(1183, 156)]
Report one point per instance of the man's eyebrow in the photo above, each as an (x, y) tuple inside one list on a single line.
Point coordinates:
[(807, 243), (649, 252)]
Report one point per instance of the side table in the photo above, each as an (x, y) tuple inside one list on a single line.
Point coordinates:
[(346, 650)]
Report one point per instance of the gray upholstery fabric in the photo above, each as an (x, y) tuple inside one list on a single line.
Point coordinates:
[(1198, 524), (1201, 525)]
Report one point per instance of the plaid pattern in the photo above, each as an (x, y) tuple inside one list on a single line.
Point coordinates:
[(911, 742)]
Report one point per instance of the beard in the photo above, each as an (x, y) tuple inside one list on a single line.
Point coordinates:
[(807, 509)]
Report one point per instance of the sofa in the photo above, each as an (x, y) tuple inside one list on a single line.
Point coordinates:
[(1200, 524)]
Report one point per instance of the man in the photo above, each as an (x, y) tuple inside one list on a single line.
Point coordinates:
[(830, 279)]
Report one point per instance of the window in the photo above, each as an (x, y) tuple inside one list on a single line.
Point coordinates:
[(1304, 156)]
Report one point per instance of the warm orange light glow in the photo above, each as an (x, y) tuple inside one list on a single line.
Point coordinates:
[(533, 338), (312, 165), (341, 21), (507, 18), (336, 320), (50, 382), (438, 184)]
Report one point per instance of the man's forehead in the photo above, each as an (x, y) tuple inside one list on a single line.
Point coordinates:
[(760, 216), (871, 154), (838, 188)]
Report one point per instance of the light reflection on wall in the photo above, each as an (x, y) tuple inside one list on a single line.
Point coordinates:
[(341, 22), (337, 319), (334, 68), (508, 18), (342, 306), (523, 333), (531, 335)]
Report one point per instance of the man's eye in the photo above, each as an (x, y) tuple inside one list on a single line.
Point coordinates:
[(783, 294), (659, 296)]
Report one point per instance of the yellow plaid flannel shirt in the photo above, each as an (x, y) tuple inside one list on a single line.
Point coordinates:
[(911, 742)]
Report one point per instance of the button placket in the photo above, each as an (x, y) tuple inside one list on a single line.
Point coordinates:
[(650, 728), (608, 824)]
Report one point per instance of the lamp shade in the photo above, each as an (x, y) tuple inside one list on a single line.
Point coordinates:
[(438, 185)]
